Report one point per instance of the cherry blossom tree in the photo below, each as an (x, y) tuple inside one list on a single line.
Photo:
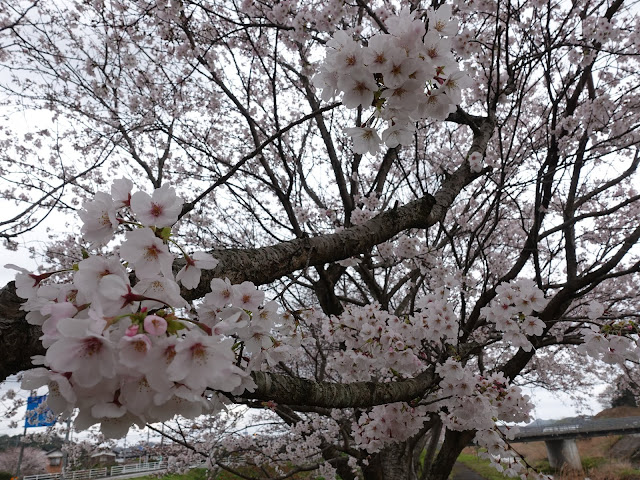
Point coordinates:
[(437, 203), (33, 462)]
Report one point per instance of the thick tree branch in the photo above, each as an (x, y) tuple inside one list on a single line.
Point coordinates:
[(297, 391), (266, 264)]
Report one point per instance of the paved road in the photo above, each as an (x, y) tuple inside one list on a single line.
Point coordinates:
[(462, 472)]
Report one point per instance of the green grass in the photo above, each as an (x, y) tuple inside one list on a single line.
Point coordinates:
[(201, 474), (629, 474), (543, 466), (480, 466), (193, 474), (590, 463)]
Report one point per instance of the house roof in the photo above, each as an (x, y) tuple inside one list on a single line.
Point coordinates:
[(103, 454)]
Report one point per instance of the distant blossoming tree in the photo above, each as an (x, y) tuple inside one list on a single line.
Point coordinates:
[(375, 221), (34, 461)]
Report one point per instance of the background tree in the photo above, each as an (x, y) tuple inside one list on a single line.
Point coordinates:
[(492, 249), (34, 461), (622, 392)]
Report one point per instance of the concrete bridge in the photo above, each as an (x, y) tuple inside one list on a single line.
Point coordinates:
[(560, 437)]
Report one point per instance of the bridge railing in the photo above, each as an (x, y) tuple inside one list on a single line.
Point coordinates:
[(582, 428)]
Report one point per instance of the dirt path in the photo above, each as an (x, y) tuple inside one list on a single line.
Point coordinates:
[(462, 472)]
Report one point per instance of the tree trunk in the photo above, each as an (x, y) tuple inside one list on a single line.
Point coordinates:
[(398, 462), (18, 340), (453, 444), (394, 462)]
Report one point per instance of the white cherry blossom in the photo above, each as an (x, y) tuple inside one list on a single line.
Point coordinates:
[(88, 356), (161, 209), (99, 219), (202, 361), (121, 192), (147, 253), (189, 275), (365, 140)]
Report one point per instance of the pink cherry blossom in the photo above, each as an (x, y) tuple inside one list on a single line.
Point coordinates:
[(397, 135), (378, 53), (26, 282), (134, 349), (161, 209), (99, 219), (436, 105), (163, 291), (155, 325), (121, 192), (475, 161), (148, 254), (358, 87), (132, 331), (88, 356), (91, 270), (61, 397), (222, 293), (440, 20), (203, 361)]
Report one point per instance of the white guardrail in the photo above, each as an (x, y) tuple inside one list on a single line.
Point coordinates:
[(100, 472)]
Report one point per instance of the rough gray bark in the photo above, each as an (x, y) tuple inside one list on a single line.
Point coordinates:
[(393, 462), (296, 391), (18, 340), (453, 444), (266, 264)]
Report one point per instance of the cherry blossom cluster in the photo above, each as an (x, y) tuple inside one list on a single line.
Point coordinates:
[(613, 342), (436, 316), (405, 75), (466, 393), (300, 443), (600, 29), (123, 346), (394, 422), (301, 15), (502, 457), (377, 343), (512, 312), (403, 247), (382, 346), (368, 207), (466, 401)]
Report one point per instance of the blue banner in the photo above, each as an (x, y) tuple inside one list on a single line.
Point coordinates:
[(37, 415)]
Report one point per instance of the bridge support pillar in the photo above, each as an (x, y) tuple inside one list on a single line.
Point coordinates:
[(563, 453)]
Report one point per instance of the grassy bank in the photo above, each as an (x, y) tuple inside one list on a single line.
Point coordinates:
[(201, 474), (595, 468), (480, 466)]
